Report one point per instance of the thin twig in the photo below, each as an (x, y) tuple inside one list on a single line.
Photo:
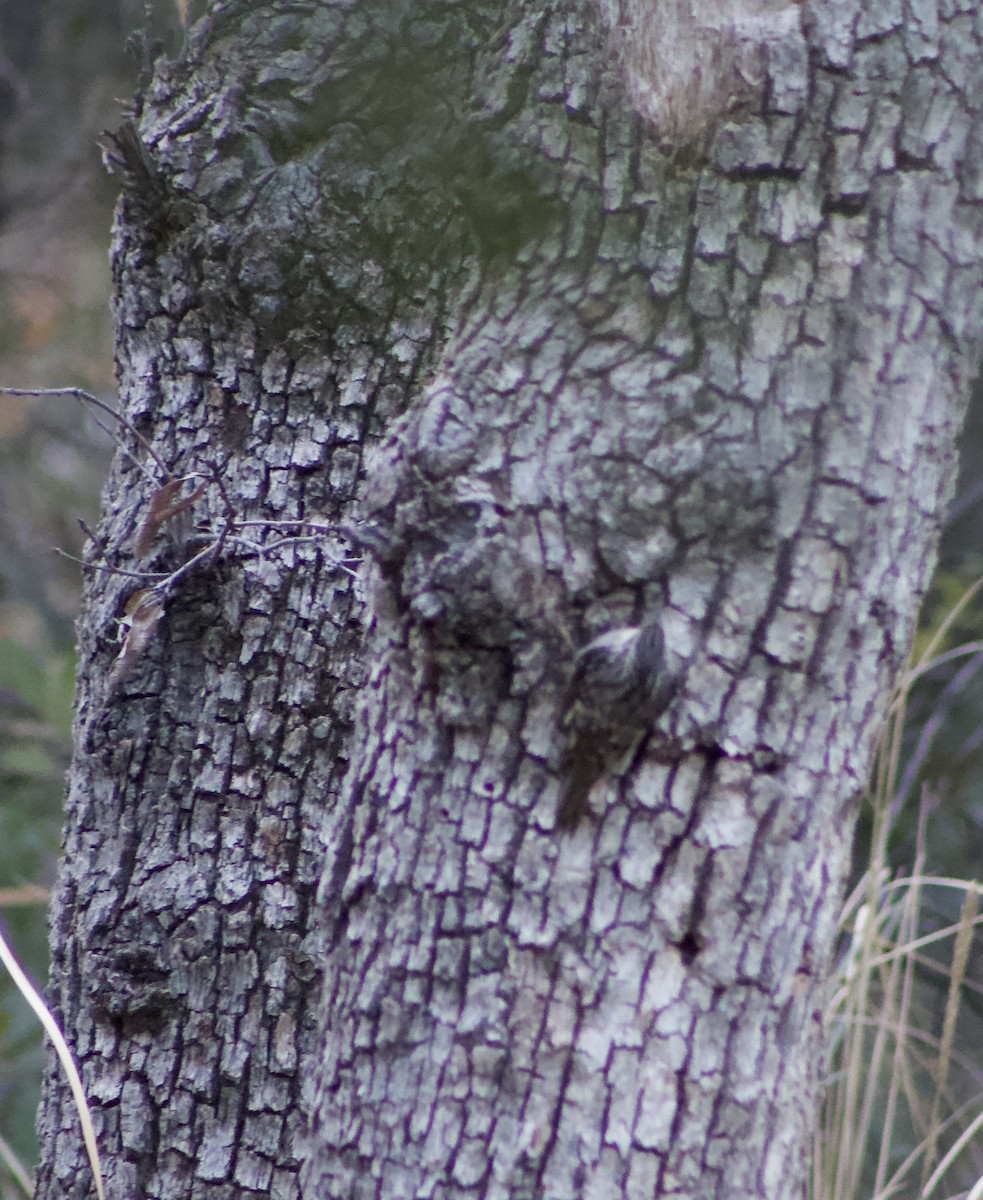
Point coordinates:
[(255, 550), (96, 541), (259, 550), (308, 522), (146, 576), (114, 438), (216, 477), (210, 551), (85, 397)]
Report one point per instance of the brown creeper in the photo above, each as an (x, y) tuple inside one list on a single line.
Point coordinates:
[(620, 687)]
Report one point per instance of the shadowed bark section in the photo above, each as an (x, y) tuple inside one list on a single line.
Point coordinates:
[(426, 274), (264, 328)]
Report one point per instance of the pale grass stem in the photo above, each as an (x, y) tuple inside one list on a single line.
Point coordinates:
[(41, 1011), (16, 1168), (891, 1082)]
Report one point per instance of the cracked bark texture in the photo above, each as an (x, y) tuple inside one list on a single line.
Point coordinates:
[(574, 338)]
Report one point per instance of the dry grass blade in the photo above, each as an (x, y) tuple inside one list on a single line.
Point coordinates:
[(897, 1117), (976, 1193), (965, 1139), (898, 992), (960, 957), (50, 1025), (16, 1168)]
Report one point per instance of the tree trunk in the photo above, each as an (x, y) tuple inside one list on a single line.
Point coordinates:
[(571, 319)]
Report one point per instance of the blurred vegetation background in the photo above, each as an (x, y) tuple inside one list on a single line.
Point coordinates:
[(66, 72)]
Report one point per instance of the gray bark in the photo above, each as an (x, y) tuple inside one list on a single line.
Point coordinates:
[(629, 344)]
